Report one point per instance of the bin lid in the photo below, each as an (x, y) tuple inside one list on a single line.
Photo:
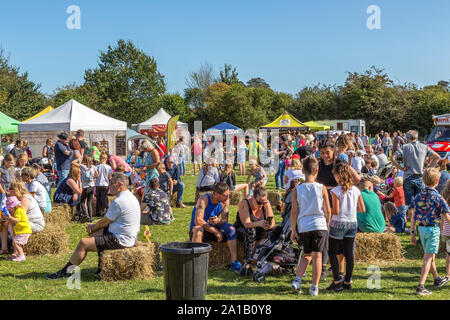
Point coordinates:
[(186, 247)]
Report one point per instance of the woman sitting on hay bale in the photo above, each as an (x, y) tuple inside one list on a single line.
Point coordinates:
[(70, 189), (254, 220), (117, 230), (155, 206)]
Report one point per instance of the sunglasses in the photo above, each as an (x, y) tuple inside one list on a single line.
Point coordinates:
[(261, 203)]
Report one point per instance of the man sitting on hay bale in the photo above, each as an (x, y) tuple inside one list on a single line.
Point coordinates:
[(117, 230), (205, 223)]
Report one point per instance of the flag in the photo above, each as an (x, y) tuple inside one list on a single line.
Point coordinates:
[(171, 132)]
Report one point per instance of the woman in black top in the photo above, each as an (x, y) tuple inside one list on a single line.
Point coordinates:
[(254, 220)]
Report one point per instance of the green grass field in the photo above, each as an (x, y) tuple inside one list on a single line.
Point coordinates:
[(26, 280)]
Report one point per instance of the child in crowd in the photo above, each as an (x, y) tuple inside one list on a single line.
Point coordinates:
[(395, 221), (165, 180), (342, 144), (258, 173), (310, 216), (35, 188), (40, 177), (429, 208), (21, 163), (229, 177), (346, 202), (21, 227), (102, 185), (135, 159), (7, 174), (373, 168), (445, 231), (399, 198), (88, 176)]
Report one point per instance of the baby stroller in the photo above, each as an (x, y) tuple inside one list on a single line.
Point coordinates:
[(277, 249), (384, 173)]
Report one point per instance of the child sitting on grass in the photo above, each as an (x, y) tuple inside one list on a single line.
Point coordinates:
[(21, 230), (428, 208), (395, 220)]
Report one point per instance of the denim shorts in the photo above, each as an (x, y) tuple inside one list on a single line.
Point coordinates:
[(429, 236), (341, 233)]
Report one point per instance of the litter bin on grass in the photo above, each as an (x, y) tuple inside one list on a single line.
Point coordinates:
[(185, 266)]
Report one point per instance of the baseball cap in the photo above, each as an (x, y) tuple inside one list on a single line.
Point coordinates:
[(63, 136)]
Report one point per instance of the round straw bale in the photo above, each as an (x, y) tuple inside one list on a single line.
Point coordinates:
[(378, 246), (219, 256), (139, 262), (61, 214), (274, 197), (52, 240)]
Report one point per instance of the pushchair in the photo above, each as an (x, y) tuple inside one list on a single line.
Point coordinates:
[(277, 249), (384, 173)]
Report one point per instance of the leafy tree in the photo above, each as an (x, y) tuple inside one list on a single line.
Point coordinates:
[(126, 82), (257, 83), (72, 91), (229, 75), (20, 98)]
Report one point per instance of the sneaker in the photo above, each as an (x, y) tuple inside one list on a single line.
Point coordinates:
[(323, 275), (235, 266), (57, 275), (421, 291), (347, 286), (336, 287), (297, 285), (439, 282), (19, 258), (246, 271), (314, 291)]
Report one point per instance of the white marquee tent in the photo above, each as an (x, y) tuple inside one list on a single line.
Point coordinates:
[(70, 117), (160, 119)]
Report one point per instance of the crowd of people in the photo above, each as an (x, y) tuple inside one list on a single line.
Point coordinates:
[(336, 186)]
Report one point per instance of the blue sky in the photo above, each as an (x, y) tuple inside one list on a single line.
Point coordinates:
[(291, 44)]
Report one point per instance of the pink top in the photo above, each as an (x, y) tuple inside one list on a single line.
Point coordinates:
[(119, 161)]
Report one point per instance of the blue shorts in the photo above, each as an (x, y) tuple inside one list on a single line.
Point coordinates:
[(429, 237), (341, 233)]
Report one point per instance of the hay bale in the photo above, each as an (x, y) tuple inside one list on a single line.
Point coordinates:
[(219, 256), (52, 240), (378, 246), (274, 197), (236, 197), (62, 214), (139, 262)]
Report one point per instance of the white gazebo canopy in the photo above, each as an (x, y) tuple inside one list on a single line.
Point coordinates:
[(160, 118), (72, 116)]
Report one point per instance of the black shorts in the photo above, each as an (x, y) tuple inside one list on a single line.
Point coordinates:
[(107, 241), (209, 236), (313, 241)]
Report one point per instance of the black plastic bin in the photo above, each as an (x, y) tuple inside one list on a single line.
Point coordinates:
[(185, 266)]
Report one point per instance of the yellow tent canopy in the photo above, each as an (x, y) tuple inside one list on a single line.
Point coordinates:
[(316, 126), (46, 110), (286, 122)]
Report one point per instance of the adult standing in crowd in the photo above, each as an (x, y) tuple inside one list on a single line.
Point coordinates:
[(178, 186), (398, 142), (386, 143), (117, 230), (151, 162), (284, 153), (414, 156), (80, 137), (48, 152), (63, 155)]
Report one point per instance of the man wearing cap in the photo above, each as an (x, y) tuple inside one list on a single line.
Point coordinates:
[(63, 155)]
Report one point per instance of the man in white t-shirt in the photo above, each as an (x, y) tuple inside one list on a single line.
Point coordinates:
[(117, 230), (382, 158)]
